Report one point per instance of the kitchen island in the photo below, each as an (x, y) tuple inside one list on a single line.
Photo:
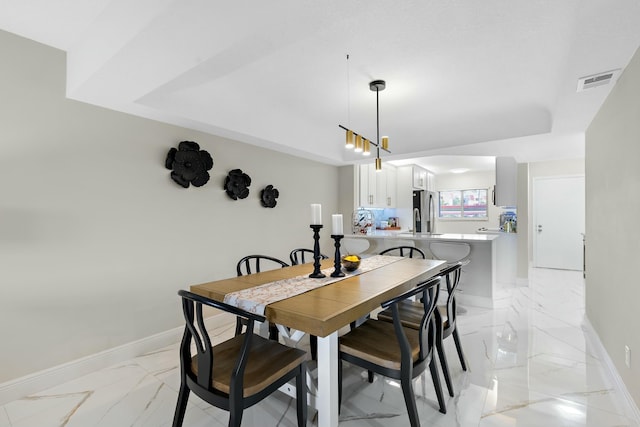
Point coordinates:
[(481, 278)]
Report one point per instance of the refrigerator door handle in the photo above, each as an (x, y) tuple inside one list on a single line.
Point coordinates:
[(431, 219)]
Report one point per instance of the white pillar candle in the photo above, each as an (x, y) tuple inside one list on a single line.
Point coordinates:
[(336, 220), (316, 214)]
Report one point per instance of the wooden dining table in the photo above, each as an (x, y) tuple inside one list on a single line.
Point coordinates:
[(325, 310)]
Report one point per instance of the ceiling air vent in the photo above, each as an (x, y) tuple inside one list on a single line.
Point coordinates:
[(596, 80)]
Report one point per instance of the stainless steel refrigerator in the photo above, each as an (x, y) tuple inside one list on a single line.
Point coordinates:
[(424, 211)]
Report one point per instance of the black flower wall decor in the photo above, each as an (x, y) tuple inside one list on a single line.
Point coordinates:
[(268, 196), (189, 164), (236, 184)]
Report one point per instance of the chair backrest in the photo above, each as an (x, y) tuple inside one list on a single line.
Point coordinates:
[(428, 292), (452, 279), (253, 264), (196, 331), (408, 251), (297, 256)]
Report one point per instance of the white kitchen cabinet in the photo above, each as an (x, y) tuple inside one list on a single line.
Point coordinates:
[(391, 186), (505, 193), (367, 179), (431, 181), (377, 189), (419, 178)]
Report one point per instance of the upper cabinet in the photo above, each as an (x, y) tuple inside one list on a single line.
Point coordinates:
[(431, 181), (419, 178), (367, 185), (377, 188), (506, 182), (391, 180)]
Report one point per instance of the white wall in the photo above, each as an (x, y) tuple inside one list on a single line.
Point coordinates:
[(612, 212), (96, 239), (466, 181)]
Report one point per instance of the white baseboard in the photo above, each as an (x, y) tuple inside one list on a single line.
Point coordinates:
[(42, 380), (593, 337)]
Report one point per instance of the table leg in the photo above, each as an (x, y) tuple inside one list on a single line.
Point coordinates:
[(327, 399)]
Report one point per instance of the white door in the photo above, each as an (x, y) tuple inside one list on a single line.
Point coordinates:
[(558, 222)]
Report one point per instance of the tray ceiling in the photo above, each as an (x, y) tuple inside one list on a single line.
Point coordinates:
[(497, 77)]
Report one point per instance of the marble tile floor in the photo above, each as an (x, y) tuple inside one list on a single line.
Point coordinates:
[(531, 364)]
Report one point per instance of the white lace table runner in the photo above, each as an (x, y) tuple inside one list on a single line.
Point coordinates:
[(257, 298)]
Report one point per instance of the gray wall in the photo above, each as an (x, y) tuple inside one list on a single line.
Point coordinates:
[(348, 194), (96, 239), (613, 208)]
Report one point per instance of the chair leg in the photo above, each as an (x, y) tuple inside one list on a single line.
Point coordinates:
[(410, 401), (236, 411), (273, 332), (436, 385), (238, 326), (313, 344), (370, 376), (301, 396), (445, 367), (181, 405), (235, 418), (456, 339)]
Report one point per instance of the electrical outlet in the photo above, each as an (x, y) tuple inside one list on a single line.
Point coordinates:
[(627, 356)]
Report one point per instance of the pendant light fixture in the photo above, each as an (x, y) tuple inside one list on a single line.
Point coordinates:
[(356, 141), (349, 143), (358, 147)]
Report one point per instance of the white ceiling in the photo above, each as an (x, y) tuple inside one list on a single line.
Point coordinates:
[(449, 164), (464, 77)]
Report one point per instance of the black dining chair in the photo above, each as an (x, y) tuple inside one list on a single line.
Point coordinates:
[(408, 251), (404, 251), (445, 315), (396, 351), (255, 264), (238, 373), (300, 255)]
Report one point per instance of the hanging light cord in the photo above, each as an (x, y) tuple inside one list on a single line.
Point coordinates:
[(377, 122), (348, 94)]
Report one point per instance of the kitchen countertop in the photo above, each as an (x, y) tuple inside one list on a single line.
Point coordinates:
[(495, 231), (481, 274), (382, 234)]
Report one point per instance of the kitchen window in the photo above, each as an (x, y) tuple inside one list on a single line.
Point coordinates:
[(463, 204)]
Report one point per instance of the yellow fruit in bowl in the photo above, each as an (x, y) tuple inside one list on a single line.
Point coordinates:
[(351, 262)]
